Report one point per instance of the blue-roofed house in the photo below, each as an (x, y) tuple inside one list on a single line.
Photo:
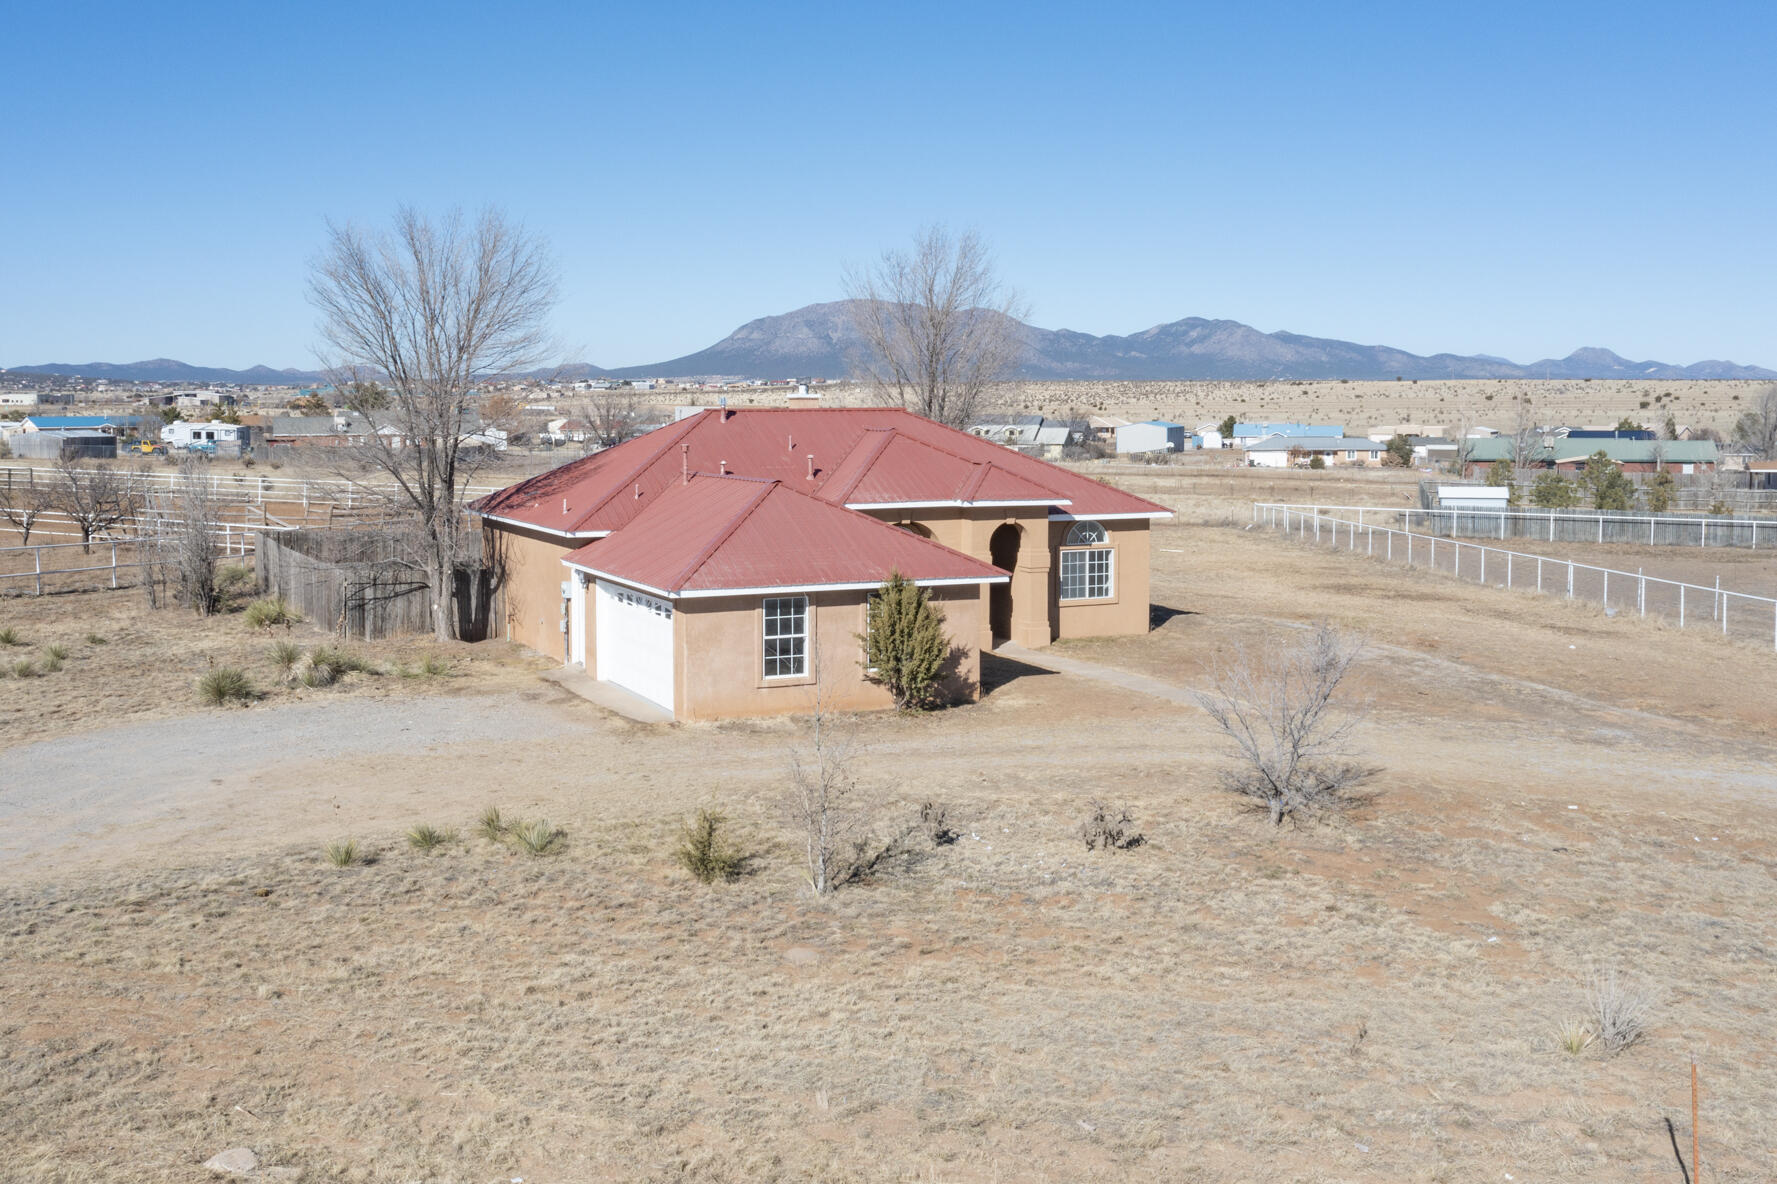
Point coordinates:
[(1249, 433), (111, 425)]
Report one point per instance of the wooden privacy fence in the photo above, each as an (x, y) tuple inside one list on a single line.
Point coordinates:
[(370, 584)]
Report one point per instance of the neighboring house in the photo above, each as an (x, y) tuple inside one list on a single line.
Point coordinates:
[(73, 443), (111, 425), (1156, 435), (1428, 449), (1606, 433), (203, 400), (1733, 458), (1248, 433), (1056, 436), (1282, 452), (721, 565), (1389, 431), (1569, 454), (1014, 431), (567, 431), (1208, 439), (1103, 428), (1761, 474)]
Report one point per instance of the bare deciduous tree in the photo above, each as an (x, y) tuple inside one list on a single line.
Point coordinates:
[(428, 312), (1757, 427), (98, 496), (181, 543), (821, 790), (937, 324), (1526, 438), (614, 414), (21, 505), (1277, 708)]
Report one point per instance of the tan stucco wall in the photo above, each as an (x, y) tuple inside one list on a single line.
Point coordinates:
[(1126, 611), (530, 591), (719, 655), (970, 530)]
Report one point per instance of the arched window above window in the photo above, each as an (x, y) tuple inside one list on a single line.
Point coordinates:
[(1085, 534)]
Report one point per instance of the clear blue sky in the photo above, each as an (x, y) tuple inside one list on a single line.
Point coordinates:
[(1510, 179)]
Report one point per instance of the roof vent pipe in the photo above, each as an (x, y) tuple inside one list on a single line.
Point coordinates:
[(564, 505), (811, 466), (724, 465), (685, 464), (638, 489)]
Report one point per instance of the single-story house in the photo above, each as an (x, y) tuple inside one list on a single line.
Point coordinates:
[(722, 565), (1473, 497), (111, 425), (76, 443), (1570, 454), (1247, 433), (1156, 435), (1282, 452), (1014, 431), (1761, 474)]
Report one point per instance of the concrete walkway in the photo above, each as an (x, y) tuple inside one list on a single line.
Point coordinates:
[(1140, 683), (611, 697)]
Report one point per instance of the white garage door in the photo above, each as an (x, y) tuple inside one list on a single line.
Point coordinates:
[(633, 634)]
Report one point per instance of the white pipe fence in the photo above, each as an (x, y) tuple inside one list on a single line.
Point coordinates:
[(1561, 526), (1739, 614), (251, 487), (232, 540)]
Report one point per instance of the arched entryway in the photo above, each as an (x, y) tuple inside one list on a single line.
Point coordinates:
[(1002, 549)]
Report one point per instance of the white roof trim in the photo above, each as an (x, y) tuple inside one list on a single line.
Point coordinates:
[(1048, 501), (1061, 517), (701, 593), (566, 534)]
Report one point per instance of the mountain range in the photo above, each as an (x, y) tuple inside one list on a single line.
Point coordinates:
[(819, 341)]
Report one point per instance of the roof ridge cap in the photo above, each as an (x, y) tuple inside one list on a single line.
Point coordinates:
[(635, 473), (875, 449), (708, 549)]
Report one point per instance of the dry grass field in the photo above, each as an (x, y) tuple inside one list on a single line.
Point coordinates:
[(1360, 406), (1373, 1000)]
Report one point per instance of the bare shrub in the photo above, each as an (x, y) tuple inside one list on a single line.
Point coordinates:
[(99, 497), (1620, 1008), (182, 543), (22, 505), (705, 850), (1277, 708), (934, 820), (1109, 829), (822, 788)]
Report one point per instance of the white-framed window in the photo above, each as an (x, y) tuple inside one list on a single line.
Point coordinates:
[(1087, 563), (1350, 454), (786, 636)]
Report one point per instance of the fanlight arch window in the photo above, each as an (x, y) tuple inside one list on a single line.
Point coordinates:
[(1088, 563), (1086, 534)]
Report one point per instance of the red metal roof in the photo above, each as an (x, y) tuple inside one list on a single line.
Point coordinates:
[(716, 533), (860, 455)]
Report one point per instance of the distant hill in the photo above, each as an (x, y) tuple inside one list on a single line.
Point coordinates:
[(818, 341), (168, 370)]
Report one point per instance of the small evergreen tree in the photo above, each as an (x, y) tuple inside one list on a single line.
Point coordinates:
[(1227, 428), (1399, 452), (1552, 491), (1317, 461), (1659, 492), (905, 644), (1604, 479)]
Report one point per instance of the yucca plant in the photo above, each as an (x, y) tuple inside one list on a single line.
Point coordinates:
[(10, 636), (285, 655), (24, 668), (426, 837), (1573, 1037), (225, 685), (269, 611), (491, 826), (94, 639), (536, 838), (342, 854)]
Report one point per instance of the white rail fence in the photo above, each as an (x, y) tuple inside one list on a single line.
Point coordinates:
[(1560, 526), (120, 553), (249, 487), (1733, 614)]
